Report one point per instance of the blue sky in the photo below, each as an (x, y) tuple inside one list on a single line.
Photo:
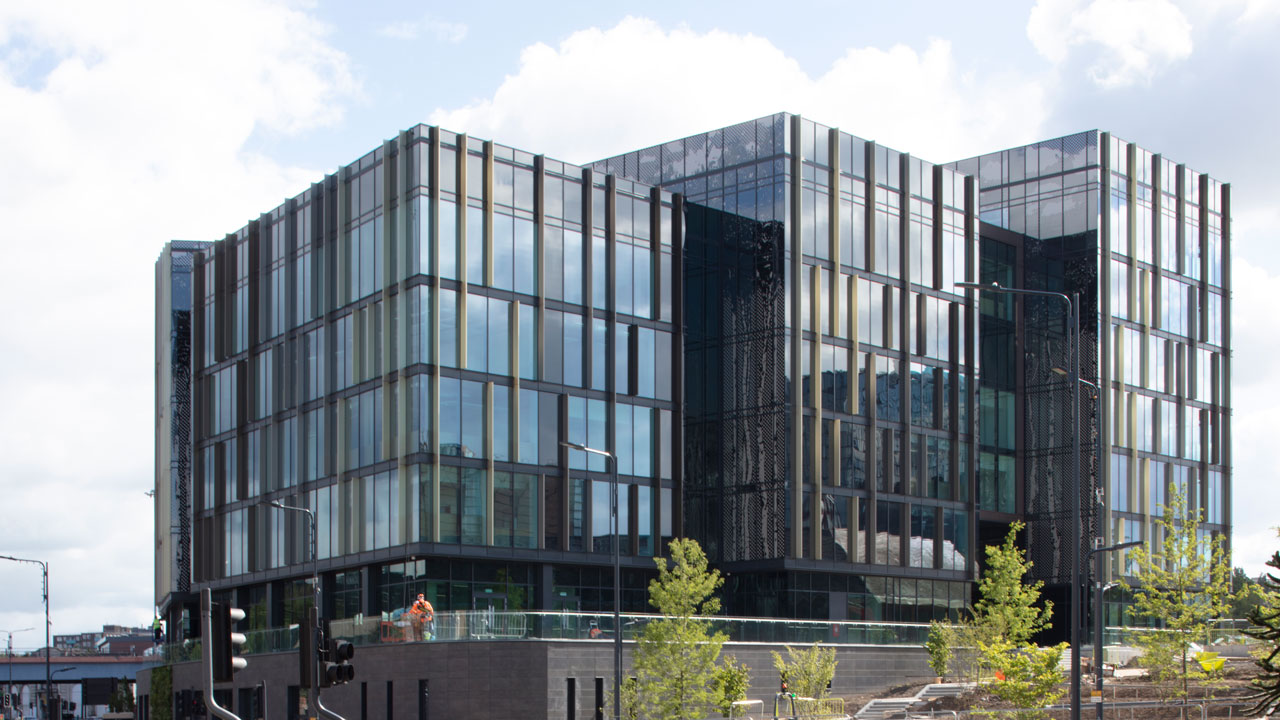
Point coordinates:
[(124, 125)]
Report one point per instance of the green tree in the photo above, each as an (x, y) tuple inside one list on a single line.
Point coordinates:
[(1007, 611), (1265, 618), (1030, 677), (1005, 618), (1160, 650), (1249, 593), (938, 645), (122, 699), (807, 672), (161, 692), (732, 681), (675, 656), (1184, 582)]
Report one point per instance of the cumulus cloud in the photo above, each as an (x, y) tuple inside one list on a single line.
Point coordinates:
[(1127, 41), (919, 101), (123, 127)]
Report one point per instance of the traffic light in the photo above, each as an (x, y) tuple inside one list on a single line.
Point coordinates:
[(6, 701), (335, 666), (225, 642), (335, 660)]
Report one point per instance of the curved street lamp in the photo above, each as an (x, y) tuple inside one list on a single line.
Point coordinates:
[(1072, 303), (9, 654), (48, 645), (617, 571)]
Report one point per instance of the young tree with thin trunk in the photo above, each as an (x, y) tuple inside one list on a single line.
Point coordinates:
[(676, 655), (1004, 621), (1183, 583)]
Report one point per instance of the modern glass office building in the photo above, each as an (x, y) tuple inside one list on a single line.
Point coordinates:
[(401, 350), (1145, 242), (829, 364), (761, 322)]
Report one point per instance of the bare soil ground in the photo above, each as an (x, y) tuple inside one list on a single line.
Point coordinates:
[(1233, 686)]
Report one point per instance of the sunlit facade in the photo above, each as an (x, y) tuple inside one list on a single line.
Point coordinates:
[(400, 350), (767, 334)]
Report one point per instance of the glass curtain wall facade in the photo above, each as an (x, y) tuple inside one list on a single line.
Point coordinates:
[(829, 364), (401, 349), (1146, 243), (772, 344)]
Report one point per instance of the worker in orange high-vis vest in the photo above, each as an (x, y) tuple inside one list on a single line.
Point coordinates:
[(424, 618)]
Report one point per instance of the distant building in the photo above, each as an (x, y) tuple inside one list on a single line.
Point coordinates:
[(113, 640)]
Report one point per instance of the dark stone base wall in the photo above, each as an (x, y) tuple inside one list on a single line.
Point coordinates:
[(521, 679)]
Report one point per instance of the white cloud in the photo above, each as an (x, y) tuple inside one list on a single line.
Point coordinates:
[(124, 127), (1255, 388), (566, 101), (1128, 41), (441, 30)]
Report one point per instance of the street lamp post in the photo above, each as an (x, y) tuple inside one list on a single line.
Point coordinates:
[(1072, 303), (1096, 555), (9, 653), (48, 645), (617, 572), (48, 699), (315, 587)]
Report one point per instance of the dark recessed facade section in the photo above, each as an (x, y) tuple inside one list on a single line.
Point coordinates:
[(828, 362)]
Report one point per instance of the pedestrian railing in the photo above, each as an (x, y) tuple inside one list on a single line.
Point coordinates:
[(494, 625)]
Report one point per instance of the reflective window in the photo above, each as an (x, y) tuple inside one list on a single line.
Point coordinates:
[(450, 504), (501, 423), (924, 528), (528, 342), (573, 349), (499, 333), (599, 353), (477, 332), (472, 420), (574, 262), (451, 417), (503, 252), (853, 455), (448, 240), (553, 346), (448, 327), (888, 550), (1120, 482), (475, 246), (955, 540), (528, 427), (474, 490), (526, 280)]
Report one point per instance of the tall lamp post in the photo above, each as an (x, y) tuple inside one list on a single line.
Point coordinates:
[(617, 571), (9, 652), (1072, 303), (49, 698), (1096, 554), (315, 587), (1100, 510), (48, 645)]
